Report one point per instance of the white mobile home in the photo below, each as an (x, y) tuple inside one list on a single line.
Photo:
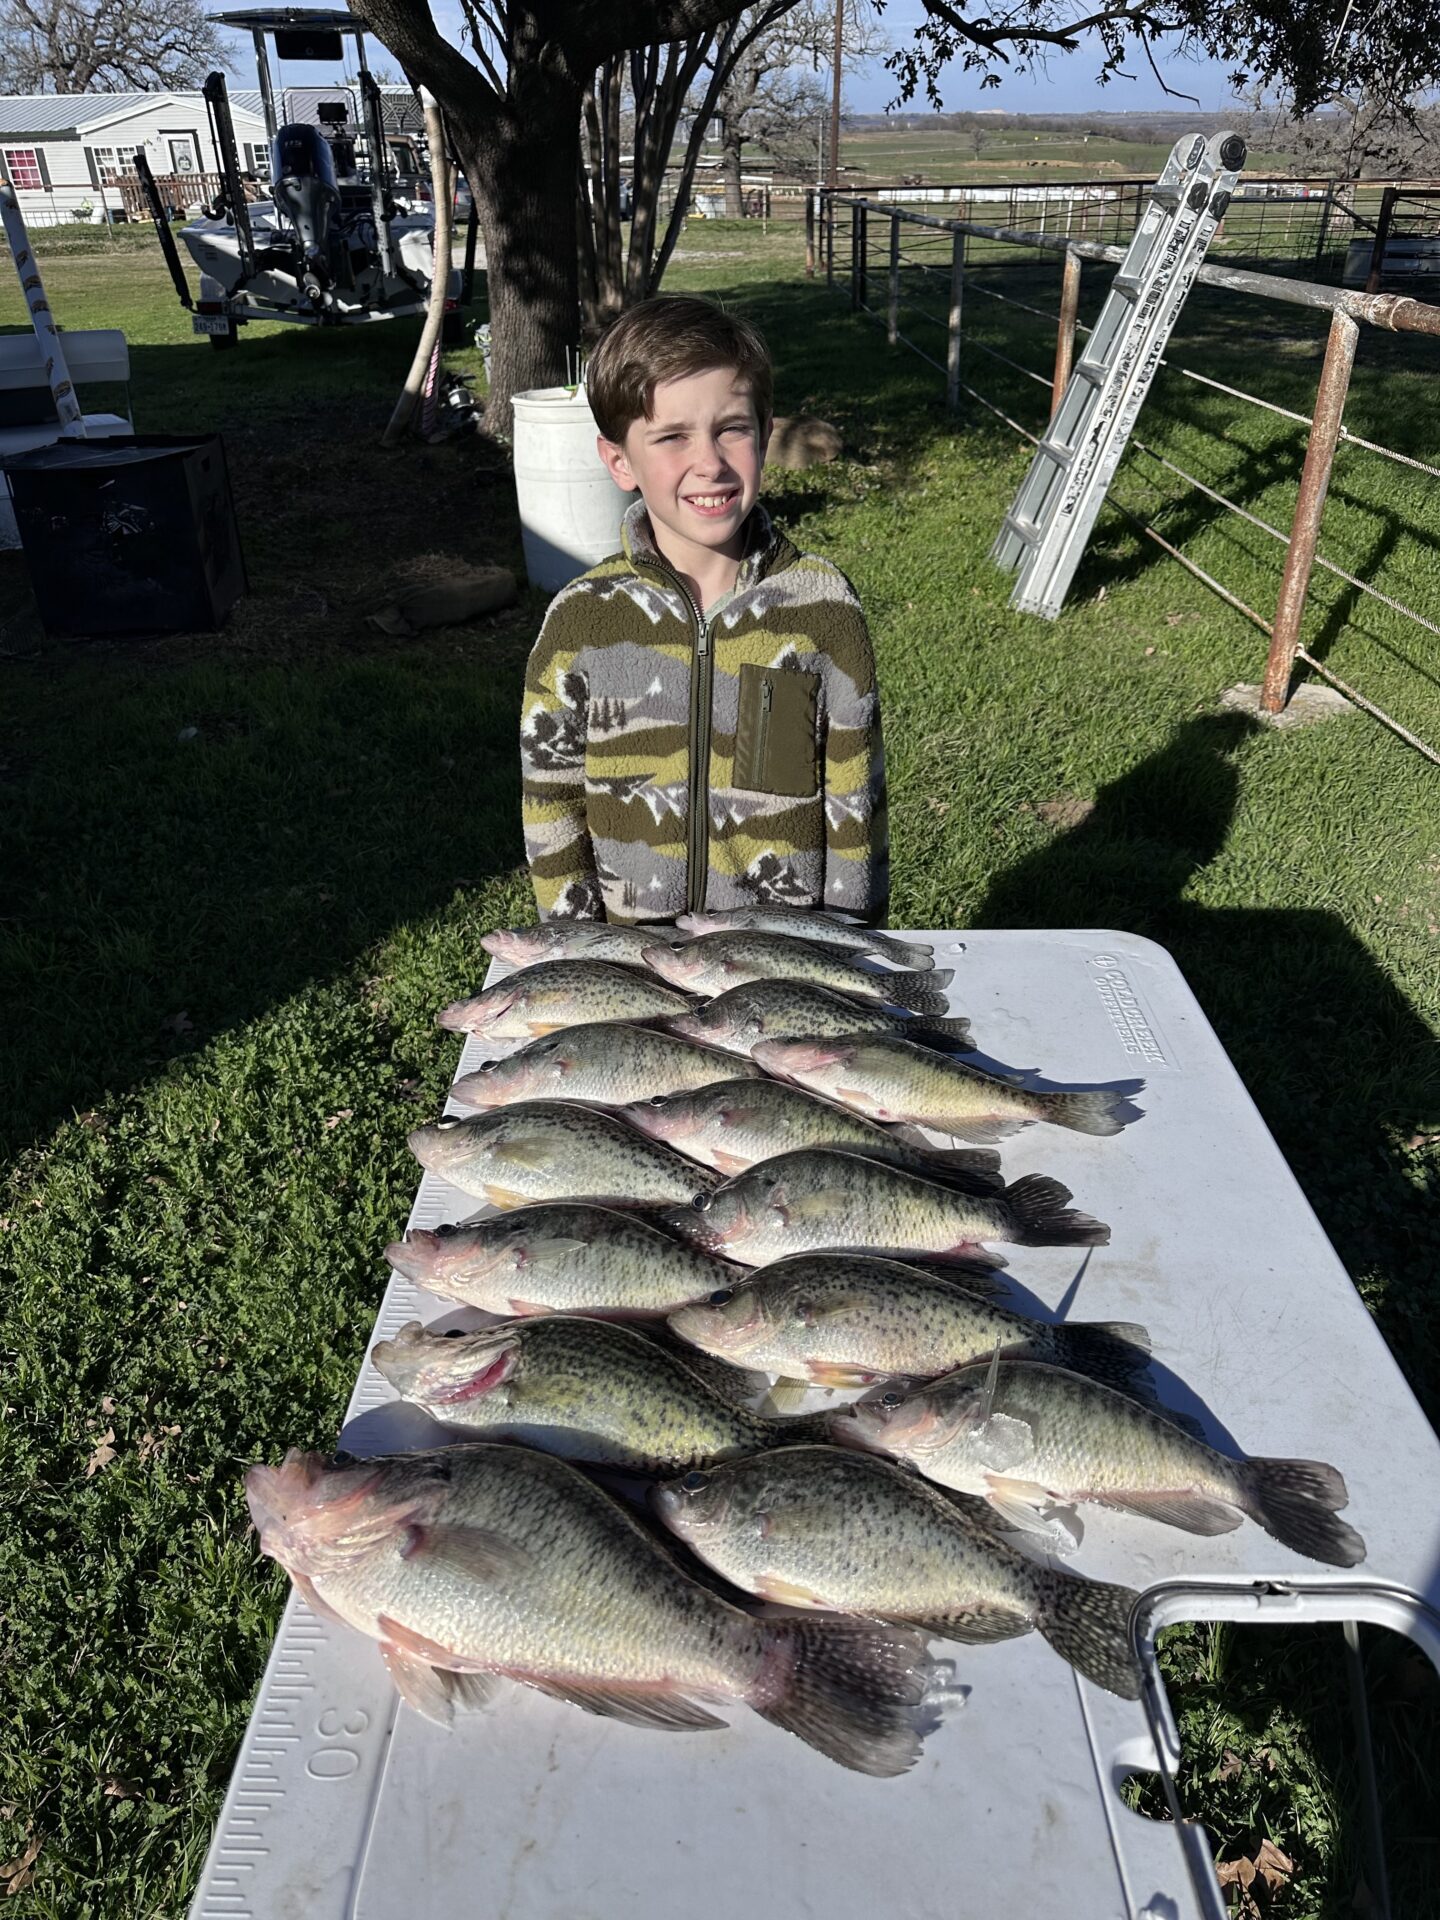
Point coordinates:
[(65, 153)]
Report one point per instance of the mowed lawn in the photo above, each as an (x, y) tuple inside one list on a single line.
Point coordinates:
[(243, 870)]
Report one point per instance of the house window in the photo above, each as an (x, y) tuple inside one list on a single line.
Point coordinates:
[(181, 149), (26, 168), (257, 159), (107, 165)]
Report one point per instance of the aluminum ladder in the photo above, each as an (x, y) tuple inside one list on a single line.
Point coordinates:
[(1043, 535)]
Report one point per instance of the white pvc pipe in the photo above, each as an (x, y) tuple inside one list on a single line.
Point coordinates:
[(57, 372)]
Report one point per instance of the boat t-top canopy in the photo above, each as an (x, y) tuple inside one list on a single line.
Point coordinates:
[(301, 33)]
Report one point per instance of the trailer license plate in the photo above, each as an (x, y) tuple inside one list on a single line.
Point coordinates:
[(210, 323)]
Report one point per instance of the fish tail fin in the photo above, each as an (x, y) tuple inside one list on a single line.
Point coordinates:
[(1044, 1219), (1295, 1501), (1105, 1349), (1096, 1111), (848, 1688), (918, 992), (953, 1031), (918, 954), (1087, 1622)]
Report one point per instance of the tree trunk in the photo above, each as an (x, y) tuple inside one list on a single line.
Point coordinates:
[(731, 146), (524, 170)]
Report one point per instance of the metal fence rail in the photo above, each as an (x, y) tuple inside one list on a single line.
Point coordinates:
[(892, 257)]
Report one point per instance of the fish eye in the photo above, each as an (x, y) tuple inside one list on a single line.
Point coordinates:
[(721, 1297), (657, 1099), (891, 1399), (488, 1066), (700, 1202), (695, 1483), (449, 1124), (453, 1333)]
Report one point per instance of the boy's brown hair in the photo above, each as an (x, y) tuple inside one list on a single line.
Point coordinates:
[(671, 337)]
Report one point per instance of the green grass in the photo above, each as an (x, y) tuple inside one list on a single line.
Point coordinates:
[(943, 155), (221, 955)]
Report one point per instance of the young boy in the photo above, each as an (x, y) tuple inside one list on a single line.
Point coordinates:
[(701, 727)]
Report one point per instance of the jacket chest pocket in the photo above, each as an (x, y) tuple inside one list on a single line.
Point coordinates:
[(777, 731)]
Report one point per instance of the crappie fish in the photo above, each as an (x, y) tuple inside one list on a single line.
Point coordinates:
[(573, 940), (794, 1010), (609, 1063), (554, 1150), (1023, 1435), (842, 1320), (561, 993), (823, 929), (586, 1389), (482, 1561), (719, 960), (733, 1125), (814, 1526), (567, 1257), (821, 1197), (887, 1077)]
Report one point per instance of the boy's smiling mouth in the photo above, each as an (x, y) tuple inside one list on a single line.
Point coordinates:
[(713, 503)]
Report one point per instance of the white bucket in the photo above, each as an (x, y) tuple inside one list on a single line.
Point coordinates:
[(570, 508)]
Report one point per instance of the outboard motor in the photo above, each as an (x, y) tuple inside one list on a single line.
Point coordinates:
[(303, 172)]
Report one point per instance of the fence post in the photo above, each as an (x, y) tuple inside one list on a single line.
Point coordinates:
[(863, 282), (892, 322), (828, 204), (1065, 335), (1382, 236), (809, 234), (1305, 529), (952, 338), (857, 240)]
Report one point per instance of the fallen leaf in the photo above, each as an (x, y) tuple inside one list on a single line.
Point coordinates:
[(102, 1456), (1148, 652), (332, 1120), (1273, 1866), (1230, 1765), (1235, 1873), (18, 1873), (153, 1442), (107, 1405), (116, 1787), (178, 1023)]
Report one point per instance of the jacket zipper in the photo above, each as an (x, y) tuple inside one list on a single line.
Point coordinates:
[(702, 684), (701, 693), (762, 732)]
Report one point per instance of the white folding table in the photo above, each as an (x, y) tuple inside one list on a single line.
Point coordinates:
[(345, 1805)]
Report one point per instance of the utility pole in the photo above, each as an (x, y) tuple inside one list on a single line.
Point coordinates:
[(838, 69)]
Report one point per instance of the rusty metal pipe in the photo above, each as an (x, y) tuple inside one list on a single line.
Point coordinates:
[(1065, 333), (1309, 507)]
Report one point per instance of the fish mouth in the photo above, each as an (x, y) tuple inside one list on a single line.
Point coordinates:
[(479, 1092), (442, 1372), (303, 1512), (667, 963), (515, 948), (415, 1257), (707, 1327), (651, 1118)]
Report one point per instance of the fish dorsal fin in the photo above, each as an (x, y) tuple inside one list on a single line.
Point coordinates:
[(992, 1381), (671, 1712)]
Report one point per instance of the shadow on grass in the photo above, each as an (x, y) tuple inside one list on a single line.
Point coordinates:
[(1345, 1072), (194, 827)]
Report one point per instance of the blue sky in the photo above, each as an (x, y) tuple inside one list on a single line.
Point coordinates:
[(1067, 85)]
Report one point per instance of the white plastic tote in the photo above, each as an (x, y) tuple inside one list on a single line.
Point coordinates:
[(570, 508)]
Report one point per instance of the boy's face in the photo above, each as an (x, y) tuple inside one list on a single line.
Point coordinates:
[(696, 462)]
